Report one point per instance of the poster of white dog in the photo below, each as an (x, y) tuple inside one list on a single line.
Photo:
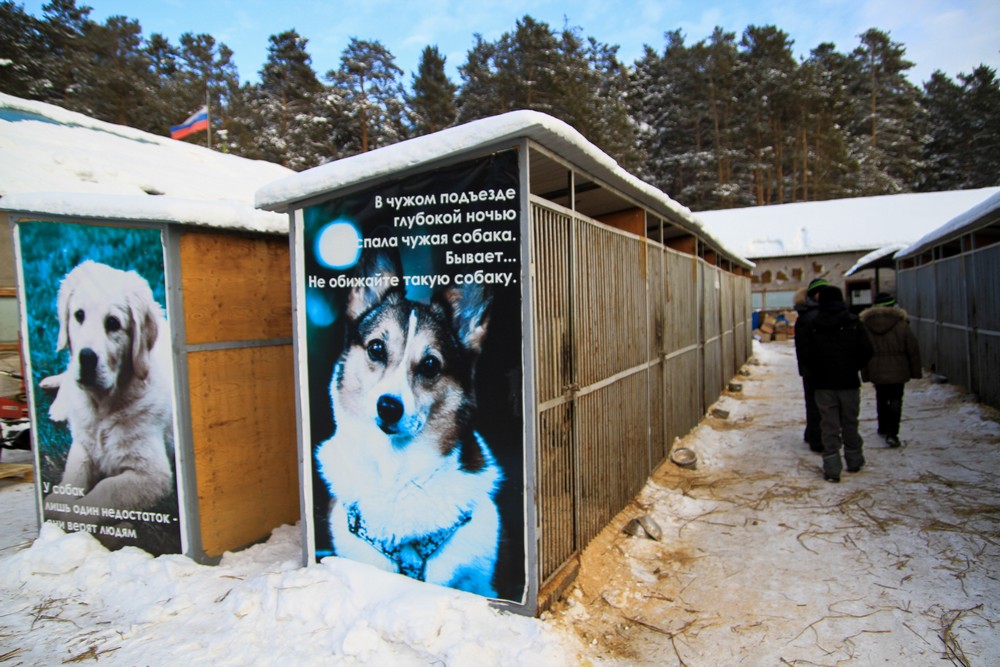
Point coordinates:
[(100, 362)]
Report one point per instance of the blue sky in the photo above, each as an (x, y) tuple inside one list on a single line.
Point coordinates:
[(951, 35)]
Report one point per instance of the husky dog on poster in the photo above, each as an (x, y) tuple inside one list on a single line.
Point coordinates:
[(422, 474), (412, 483)]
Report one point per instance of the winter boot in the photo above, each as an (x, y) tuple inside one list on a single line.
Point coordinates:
[(831, 467), (855, 461)]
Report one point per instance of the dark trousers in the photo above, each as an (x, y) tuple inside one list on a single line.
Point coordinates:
[(889, 404), (839, 410), (812, 433)]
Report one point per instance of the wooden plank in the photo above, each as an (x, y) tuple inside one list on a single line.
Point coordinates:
[(235, 287), (244, 444), (632, 220), (26, 471), (685, 244)]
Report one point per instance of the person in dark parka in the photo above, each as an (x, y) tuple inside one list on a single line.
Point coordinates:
[(896, 361), (807, 308), (834, 349)]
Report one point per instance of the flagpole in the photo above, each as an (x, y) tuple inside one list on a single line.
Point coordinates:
[(208, 108)]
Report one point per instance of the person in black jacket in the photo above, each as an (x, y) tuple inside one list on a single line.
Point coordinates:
[(834, 348), (807, 308)]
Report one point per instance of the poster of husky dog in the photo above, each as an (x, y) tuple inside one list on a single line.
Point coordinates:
[(98, 350), (414, 363)]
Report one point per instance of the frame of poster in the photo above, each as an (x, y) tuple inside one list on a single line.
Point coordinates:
[(414, 375), (95, 304)]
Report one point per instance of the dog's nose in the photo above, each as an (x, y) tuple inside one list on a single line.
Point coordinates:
[(390, 409), (88, 366)]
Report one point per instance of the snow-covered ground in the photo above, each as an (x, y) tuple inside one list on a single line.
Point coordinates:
[(761, 563)]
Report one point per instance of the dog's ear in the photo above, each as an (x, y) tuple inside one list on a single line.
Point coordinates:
[(145, 323), (379, 269), (470, 314), (66, 288)]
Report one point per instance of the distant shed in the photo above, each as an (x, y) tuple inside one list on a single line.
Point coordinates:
[(220, 272), (617, 319), (793, 244), (949, 283)]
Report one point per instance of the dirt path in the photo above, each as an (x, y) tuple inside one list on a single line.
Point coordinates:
[(763, 563)]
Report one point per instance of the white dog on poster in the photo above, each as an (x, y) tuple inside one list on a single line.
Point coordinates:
[(116, 393)]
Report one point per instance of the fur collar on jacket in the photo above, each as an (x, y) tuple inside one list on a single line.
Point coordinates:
[(880, 319)]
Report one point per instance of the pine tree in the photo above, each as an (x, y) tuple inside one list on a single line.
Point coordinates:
[(68, 54), (981, 93), (115, 83), (671, 107), (963, 146), (368, 79), (431, 106), (479, 95), (770, 101), (944, 168), (594, 99), (205, 74), (276, 119), (827, 108), (162, 109), (890, 160), (22, 52), (563, 75)]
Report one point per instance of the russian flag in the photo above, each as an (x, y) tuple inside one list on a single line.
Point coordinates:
[(196, 122)]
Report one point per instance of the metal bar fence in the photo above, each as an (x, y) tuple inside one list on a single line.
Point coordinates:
[(954, 308), (626, 332)]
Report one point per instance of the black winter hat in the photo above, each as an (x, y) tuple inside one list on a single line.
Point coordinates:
[(830, 294)]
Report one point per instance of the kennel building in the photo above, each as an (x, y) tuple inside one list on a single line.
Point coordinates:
[(949, 283), (220, 271), (616, 320)]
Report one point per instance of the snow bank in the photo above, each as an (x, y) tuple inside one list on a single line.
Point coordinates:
[(258, 606)]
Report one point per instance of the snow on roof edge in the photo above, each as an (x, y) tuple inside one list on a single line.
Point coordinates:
[(954, 227), (220, 214), (75, 118), (546, 130), (857, 225), (874, 255)]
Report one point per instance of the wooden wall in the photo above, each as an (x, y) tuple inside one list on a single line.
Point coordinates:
[(236, 293)]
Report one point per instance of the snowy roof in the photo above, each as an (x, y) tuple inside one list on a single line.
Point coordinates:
[(219, 214), (47, 149), (879, 257), (549, 132), (860, 224), (982, 214)]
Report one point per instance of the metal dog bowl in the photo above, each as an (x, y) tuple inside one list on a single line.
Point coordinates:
[(684, 457)]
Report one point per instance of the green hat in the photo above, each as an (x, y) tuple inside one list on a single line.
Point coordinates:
[(815, 285)]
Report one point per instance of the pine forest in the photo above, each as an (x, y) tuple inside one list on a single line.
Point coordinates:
[(726, 121)]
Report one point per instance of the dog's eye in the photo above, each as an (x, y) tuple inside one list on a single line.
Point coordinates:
[(429, 367), (112, 324), (376, 351), (80, 316)]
